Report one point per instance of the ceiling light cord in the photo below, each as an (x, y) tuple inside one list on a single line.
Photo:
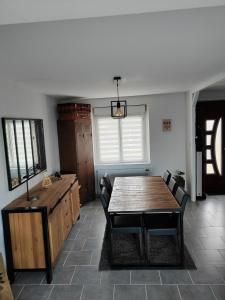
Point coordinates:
[(118, 98)]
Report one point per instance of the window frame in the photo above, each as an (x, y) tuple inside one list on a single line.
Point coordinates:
[(145, 142)]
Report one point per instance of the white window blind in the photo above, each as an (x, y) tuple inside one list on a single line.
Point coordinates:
[(120, 140)]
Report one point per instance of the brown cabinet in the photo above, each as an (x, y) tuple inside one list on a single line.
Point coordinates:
[(75, 146), (35, 231)]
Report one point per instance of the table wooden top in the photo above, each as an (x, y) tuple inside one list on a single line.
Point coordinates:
[(141, 194)]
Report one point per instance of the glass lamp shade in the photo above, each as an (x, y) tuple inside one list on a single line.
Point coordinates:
[(119, 109)]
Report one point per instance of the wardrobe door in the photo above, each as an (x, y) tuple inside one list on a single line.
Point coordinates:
[(67, 146), (81, 161)]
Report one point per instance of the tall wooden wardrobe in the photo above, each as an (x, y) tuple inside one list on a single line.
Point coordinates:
[(75, 146)]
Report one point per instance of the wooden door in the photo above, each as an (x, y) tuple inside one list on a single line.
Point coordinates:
[(211, 141), (67, 146), (56, 234), (66, 215), (27, 240), (75, 201), (89, 160), (81, 161)]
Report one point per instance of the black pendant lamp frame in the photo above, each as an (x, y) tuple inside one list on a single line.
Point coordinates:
[(118, 107)]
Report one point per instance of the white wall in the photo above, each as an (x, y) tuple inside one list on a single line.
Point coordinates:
[(210, 95), (190, 144), (167, 149), (18, 101)]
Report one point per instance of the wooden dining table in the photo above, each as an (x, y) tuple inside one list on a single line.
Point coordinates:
[(141, 195)]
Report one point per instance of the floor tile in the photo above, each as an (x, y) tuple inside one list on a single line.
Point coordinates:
[(207, 257), (115, 277), (16, 289), (97, 292), (206, 275), (29, 277), (95, 257), (90, 232), (78, 258), (196, 292), (66, 292), (213, 243), (35, 292), (162, 292), (219, 291), (221, 270), (145, 277), (62, 258), (222, 252), (62, 275), (76, 244), (86, 275), (92, 244), (175, 277), (130, 292)]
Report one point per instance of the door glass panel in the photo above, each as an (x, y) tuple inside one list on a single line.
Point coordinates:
[(209, 169), (218, 146), (208, 139), (209, 125), (208, 154)]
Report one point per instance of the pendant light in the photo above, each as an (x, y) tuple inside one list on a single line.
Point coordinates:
[(119, 107)]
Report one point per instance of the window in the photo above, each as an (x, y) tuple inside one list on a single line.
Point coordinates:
[(121, 140)]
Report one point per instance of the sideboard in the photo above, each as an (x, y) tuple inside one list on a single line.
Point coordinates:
[(35, 231)]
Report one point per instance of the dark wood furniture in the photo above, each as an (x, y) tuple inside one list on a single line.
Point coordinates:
[(75, 146), (143, 195), (35, 231)]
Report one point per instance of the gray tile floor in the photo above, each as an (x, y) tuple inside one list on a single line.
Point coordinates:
[(76, 276)]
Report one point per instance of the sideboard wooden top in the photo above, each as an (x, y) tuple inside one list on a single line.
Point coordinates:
[(47, 197)]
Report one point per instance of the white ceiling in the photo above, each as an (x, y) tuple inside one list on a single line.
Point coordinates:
[(154, 52), (220, 85), (27, 11)]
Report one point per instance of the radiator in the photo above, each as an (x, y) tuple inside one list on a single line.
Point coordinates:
[(119, 172)]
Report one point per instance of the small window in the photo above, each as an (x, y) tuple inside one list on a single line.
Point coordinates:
[(209, 125), (208, 154), (208, 139), (209, 169), (121, 140)]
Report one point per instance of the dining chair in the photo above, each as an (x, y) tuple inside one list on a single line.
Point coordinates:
[(173, 186), (107, 183), (101, 183), (121, 223), (167, 224), (166, 176)]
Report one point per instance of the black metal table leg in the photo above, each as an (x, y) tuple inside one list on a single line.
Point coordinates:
[(48, 262), (181, 239)]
